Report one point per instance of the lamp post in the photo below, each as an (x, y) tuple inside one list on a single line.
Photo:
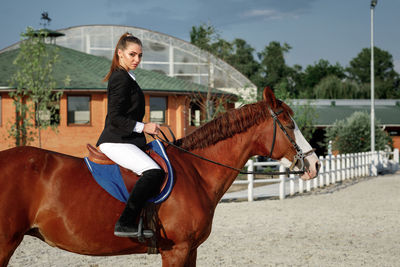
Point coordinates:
[(373, 4)]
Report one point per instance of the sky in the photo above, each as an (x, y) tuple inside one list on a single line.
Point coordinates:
[(315, 29)]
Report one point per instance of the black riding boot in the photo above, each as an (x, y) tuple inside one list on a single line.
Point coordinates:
[(146, 187)]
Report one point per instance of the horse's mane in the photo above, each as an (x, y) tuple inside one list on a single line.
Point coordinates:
[(230, 123)]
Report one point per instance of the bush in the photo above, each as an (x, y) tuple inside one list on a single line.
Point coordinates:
[(353, 134)]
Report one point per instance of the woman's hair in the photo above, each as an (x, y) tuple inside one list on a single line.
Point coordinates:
[(122, 43)]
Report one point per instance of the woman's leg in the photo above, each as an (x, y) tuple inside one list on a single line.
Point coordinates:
[(131, 157)]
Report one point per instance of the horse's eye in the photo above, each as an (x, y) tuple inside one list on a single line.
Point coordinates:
[(290, 126)]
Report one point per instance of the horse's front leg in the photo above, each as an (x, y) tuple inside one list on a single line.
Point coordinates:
[(191, 261), (8, 246), (180, 255)]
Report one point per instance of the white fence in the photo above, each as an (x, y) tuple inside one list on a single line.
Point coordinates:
[(333, 169)]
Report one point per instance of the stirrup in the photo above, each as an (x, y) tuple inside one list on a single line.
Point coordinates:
[(143, 234)]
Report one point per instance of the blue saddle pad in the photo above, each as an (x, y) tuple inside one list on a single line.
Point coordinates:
[(110, 179)]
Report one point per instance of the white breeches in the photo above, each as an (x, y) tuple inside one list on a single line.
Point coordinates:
[(129, 156)]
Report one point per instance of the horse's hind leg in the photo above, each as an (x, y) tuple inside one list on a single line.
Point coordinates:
[(179, 256), (7, 247)]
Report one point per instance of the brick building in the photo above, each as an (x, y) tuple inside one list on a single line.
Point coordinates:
[(83, 105)]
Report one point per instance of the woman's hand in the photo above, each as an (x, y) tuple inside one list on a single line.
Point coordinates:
[(151, 128)]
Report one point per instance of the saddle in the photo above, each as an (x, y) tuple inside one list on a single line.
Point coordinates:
[(130, 178), (148, 217)]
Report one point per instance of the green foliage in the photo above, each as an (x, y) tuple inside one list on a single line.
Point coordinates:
[(386, 78), (242, 59), (331, 87), (314, 74), (321, 80), (34, 100), (273, 66), (237, 53), (203, 36), (353, 134), (305, 117)]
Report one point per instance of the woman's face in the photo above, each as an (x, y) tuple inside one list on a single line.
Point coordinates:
[(130, 57)]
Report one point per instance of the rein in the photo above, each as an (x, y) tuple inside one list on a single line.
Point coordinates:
[(299, 154)]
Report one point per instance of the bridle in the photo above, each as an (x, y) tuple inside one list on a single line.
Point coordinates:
[(300, 156)]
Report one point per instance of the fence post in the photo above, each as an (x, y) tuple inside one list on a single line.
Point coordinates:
[(250, 179), (396, 155), (333, 169), (344, 167), (282, 193), (322, 172), (362, 163), (291, 184), (351, 165), (328, 170), (339, 167), (315, 182), (365, 164), (356, 165), (374, 163), (301, 186), (308, 185)]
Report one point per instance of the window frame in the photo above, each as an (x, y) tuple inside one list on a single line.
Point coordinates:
[(165, 110), (90, 110)]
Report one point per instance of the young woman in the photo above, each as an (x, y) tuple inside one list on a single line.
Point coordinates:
[(122, 139)]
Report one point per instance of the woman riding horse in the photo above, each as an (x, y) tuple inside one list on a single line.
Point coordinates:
[(53, 196)]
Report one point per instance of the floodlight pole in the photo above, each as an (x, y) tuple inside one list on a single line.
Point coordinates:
[(373, 4)]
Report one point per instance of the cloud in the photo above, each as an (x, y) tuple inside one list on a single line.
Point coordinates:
[(177, 17), (267, 14), (397, 65)]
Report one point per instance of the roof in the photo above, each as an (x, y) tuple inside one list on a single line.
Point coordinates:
[(86, 72), (164, 53), (387, 112), (49, 33)]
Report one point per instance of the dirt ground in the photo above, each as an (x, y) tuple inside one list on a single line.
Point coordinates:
[(351, 224)]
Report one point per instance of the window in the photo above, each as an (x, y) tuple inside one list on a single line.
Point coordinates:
[(158, 107), (194, 114), (78, 109)]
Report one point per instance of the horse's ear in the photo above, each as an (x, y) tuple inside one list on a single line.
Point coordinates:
[(268, 95)]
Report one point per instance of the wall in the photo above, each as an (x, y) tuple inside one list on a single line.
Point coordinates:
[(72, 139)]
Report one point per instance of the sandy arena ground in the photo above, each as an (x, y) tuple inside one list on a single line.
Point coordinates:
[(347, 225)]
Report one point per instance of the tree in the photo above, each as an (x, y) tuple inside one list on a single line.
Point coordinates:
[(305, 117), (273, 69), (203, 36), (242, 59), (313, 75), (352, 135), (386, 78), (34, 99)]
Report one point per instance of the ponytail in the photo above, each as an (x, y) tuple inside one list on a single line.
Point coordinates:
[(122, 42)]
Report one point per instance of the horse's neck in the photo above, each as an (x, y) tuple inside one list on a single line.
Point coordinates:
[(232, 152)]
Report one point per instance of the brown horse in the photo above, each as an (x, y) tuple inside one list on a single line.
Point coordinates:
[(53, 196)]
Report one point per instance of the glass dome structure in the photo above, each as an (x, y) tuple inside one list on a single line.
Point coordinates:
[(162, 53)]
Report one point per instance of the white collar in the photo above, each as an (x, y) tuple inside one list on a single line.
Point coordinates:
[(132, 75)]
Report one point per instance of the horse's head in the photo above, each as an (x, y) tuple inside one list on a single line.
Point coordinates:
[(285, 142)]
